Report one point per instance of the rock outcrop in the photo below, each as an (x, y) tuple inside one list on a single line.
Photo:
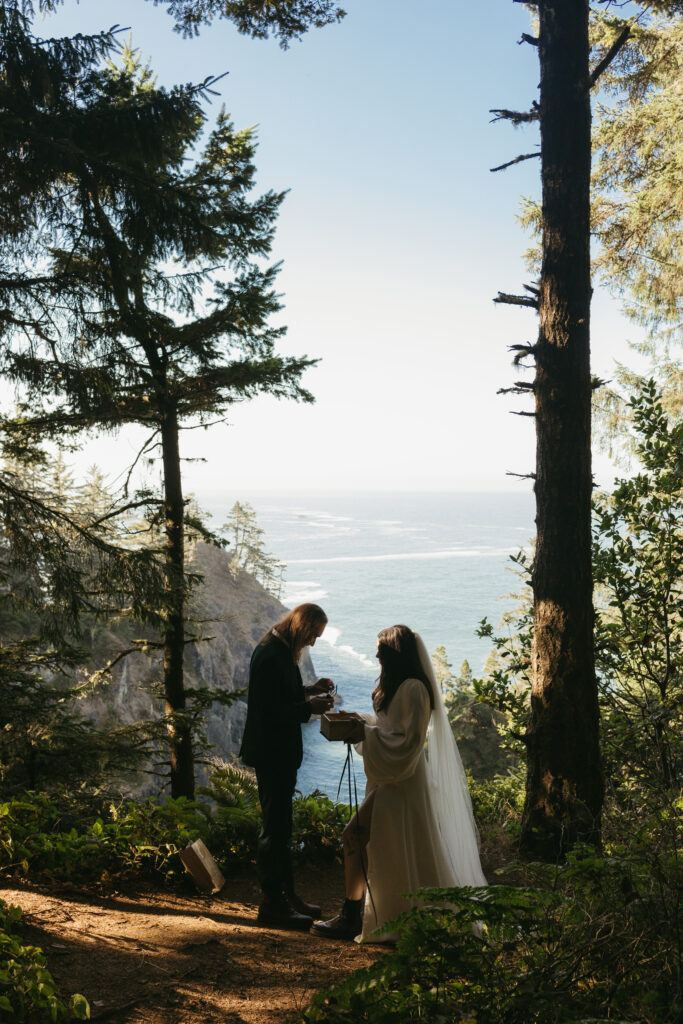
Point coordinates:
[(230, 614)]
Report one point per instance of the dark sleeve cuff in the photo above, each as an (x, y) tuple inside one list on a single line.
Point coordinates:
[(306, 710)]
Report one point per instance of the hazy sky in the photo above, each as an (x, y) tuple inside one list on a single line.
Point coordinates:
[(395, 238)]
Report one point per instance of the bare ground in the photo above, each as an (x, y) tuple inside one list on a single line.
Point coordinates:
[(169, 958)]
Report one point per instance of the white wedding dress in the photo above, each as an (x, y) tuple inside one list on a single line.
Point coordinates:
[(422, 831)]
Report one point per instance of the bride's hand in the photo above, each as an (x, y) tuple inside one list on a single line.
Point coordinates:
[(356, 732)]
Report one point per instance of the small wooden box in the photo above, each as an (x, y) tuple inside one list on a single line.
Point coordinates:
[(336, 725), (201, 865)]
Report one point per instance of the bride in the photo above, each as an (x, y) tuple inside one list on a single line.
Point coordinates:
[(415, 827)]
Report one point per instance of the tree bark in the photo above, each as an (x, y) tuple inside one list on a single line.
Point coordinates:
[(564, 783), (179, 730)]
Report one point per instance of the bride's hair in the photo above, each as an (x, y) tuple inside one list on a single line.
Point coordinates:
[(296, 628), (399, 660)]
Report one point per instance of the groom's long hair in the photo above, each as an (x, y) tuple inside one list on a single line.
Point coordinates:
[(399, 660), (296, 628)]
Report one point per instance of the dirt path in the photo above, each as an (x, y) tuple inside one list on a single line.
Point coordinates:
[(158, 958)]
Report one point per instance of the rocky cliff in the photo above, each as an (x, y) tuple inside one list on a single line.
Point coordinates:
[(231, 614)]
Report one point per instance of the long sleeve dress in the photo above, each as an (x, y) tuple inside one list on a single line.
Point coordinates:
[(405, 850)]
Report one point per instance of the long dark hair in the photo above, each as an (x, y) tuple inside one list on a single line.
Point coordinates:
[(296, 627), (399, 660)]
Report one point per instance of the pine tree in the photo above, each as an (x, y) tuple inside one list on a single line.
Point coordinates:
[(464, 680), (564, 785), (248, 549), (285, 19), (160, 268), (636, 204), (60, 574), (638, 207), (443, 670)]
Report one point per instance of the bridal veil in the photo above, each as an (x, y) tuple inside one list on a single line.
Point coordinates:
[(448, 791)]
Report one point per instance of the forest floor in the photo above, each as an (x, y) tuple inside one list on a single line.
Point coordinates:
[(170, 958)]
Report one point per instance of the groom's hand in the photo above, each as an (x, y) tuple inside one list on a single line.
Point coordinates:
[(321, 703), (321, 686)]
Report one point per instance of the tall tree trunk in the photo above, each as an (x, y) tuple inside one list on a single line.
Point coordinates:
[(179, 732), (564, 783)]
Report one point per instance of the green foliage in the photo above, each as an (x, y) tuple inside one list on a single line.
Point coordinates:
[(130, 841), (638, 572), (66, 571), (127, 340), (637, 175), (598, 936), (317, 822), (27, 989), (285, 19), (595, 939), (638, 168), (237, 810), (636, 201), (497, 803), (507, 679), (245, 537), (638, 560), (71, 838)]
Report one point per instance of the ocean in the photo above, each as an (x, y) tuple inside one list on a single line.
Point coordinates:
[(437, 562)]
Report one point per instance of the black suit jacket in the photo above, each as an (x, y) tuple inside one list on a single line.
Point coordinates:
[(276, 707)]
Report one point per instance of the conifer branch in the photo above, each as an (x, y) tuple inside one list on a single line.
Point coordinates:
[(147, 446), (602, 65), (516, 116), (522, 351), (140, 503), (206, 88), (516, 300), (92, 681), (521, 476), (517, 160), (526, 38), (520, 387)]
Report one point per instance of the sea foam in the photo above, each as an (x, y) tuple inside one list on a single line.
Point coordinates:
[(303, 591), (331, 636), (404, 556)]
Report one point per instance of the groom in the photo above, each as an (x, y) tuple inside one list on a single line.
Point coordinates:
[(277, 704)]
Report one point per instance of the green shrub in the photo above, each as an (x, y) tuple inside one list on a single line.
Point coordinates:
[(27, 989), (596, 938), (140, 840), (318, 824), (43, 837), (499, 801), (237, 815)]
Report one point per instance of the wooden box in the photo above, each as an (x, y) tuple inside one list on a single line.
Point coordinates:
[(201, 865), (336, 725)]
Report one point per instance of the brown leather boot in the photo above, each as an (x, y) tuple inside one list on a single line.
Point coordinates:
[(280, 914), (309, 909), (346, 925)]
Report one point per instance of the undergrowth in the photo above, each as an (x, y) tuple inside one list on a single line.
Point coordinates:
[(596, 938), (27, 989), (45, 839)]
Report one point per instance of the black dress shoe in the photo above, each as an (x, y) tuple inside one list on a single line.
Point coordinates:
[(346, 925), (282, 915), (311, 910)]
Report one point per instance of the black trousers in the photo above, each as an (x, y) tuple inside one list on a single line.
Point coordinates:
[(273, 855)]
